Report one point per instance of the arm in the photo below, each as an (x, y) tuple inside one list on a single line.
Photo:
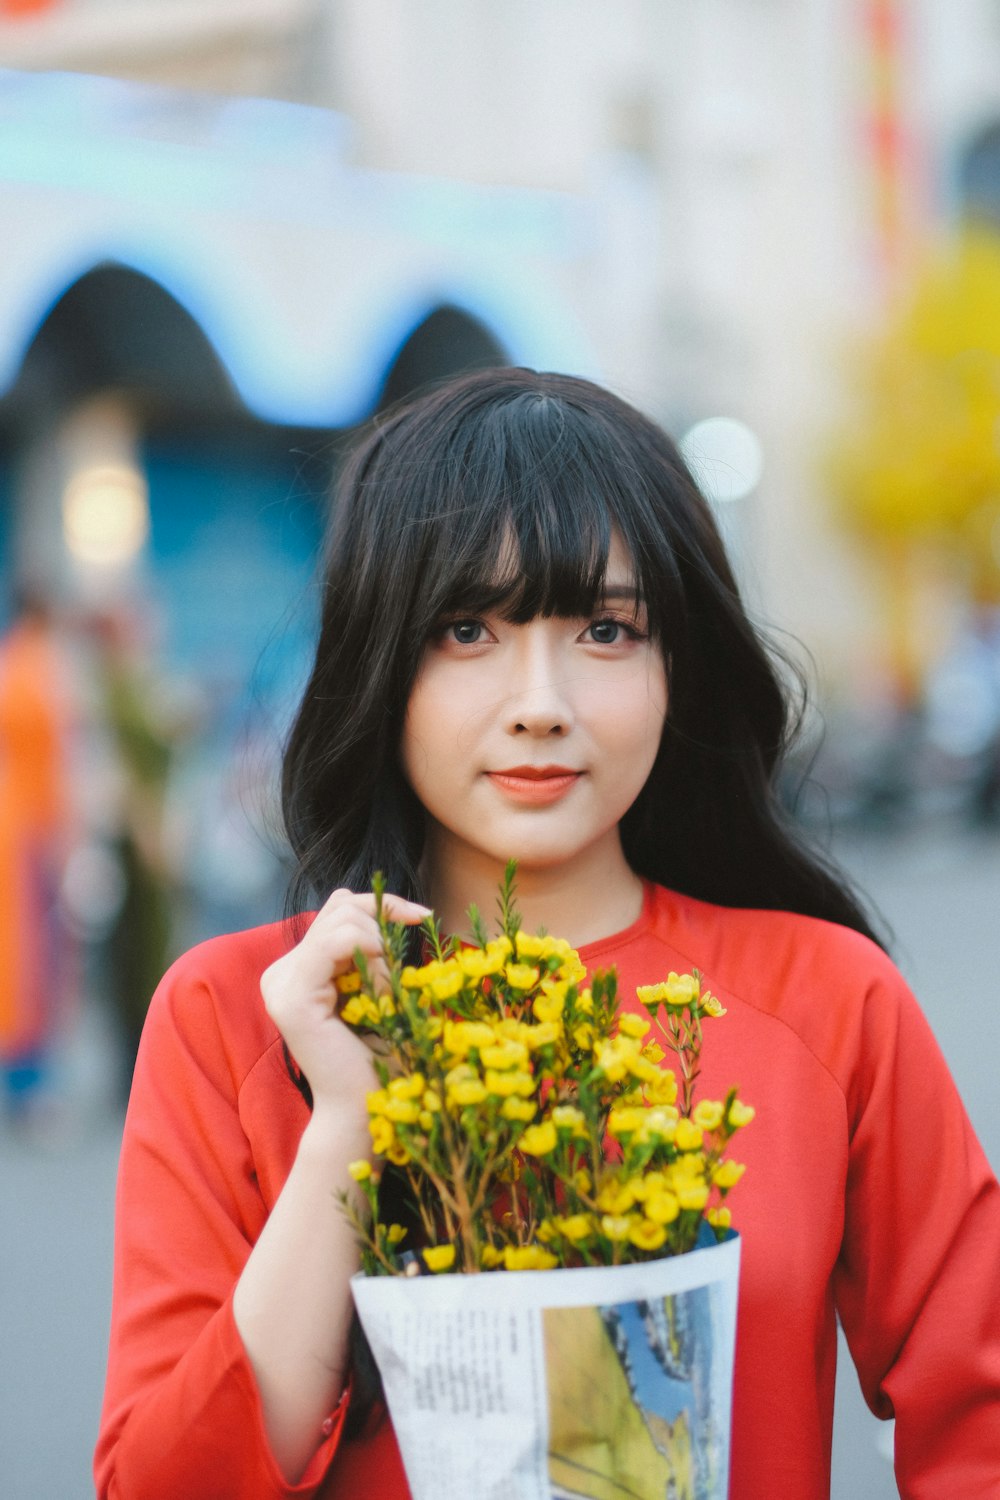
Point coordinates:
[(198, 1404), (293, 1304), (918, 1281)]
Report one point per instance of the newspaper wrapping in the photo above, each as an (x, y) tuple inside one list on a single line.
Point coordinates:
[(612, 1383)]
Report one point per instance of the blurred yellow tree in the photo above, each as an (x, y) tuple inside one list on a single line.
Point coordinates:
[(919, 461)]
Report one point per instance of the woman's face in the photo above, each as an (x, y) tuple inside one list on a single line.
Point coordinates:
[(532, 741)]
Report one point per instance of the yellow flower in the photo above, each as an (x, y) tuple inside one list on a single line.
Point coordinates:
[(447, 985), (360, 1010), (360, 1170), (727, 1174), (612, 1060), (539, 1140), (518, 1109), (402, 1111), (633, 1026), (531, 945), (439, 1257), (692, 1195), (615, 1197), (477, 965), (528, 1258), (662, 1089), (548, 1007), (506, 1084), (616, 1226), (543, 1035), (521, 976), (348, 984), (583, 1036), (662, 1208), (499, 947), (395, 1233), (425, 1120), (708, 1114), (688, 1135), (646, 1235), (653, 1052), (659, 1124), (397, 1154), (577, 1227), (507, 1054), (740, 1114), (568, 1117), (432, 1101), (585, 1003), (721, 1217), (624, 1122), (690, 1168), (712, 1007), (407, 1088), (376, 1101), (490, 1257), (460, 1037), (582, 1180), (383, 1135), (468, 1091), (572, 970), (681, 990), (651, 996)]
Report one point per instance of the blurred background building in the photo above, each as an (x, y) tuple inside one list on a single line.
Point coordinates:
[(234, 229)]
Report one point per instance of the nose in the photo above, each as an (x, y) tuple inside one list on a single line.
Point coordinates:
[(539, 703)]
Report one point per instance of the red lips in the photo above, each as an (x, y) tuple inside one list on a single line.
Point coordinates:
[(535, 785)]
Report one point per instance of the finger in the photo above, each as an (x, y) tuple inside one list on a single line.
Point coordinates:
[(396, 908)]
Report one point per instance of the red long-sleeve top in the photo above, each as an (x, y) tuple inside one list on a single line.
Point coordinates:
[(866, 1196)]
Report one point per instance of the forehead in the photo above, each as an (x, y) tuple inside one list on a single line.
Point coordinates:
[(620, 569)]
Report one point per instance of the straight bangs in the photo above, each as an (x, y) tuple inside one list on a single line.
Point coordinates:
[(518, 516)]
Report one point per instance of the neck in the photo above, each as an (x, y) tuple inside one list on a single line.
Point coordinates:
[(587, 898)]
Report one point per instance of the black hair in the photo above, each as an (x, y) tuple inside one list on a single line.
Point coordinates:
[(502, 489)]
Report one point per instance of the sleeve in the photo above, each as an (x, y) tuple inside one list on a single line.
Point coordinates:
[(918, 1281), (182, 1414)]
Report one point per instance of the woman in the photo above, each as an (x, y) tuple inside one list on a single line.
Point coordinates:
[(532, 646)]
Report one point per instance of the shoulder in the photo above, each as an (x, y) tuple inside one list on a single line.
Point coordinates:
[(750, 940), (209, 1002), (836, 990)]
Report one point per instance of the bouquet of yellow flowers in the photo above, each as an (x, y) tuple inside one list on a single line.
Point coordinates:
[(530, 1119)]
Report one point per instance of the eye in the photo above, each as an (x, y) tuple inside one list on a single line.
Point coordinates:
[(611, 632), (465, 632)]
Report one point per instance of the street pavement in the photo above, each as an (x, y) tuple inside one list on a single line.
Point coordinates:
[(941, 894)]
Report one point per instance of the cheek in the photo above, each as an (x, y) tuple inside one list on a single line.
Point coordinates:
[(434, 729), (640, 709)]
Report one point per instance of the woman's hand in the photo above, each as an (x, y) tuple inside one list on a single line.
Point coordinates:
[(301, 996)]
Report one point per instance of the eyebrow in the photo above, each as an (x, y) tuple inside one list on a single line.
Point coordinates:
[(620, 591)]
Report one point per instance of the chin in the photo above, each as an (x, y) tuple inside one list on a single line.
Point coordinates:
[(532, 856)]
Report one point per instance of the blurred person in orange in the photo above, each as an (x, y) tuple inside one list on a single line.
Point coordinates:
[(34, 834)]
